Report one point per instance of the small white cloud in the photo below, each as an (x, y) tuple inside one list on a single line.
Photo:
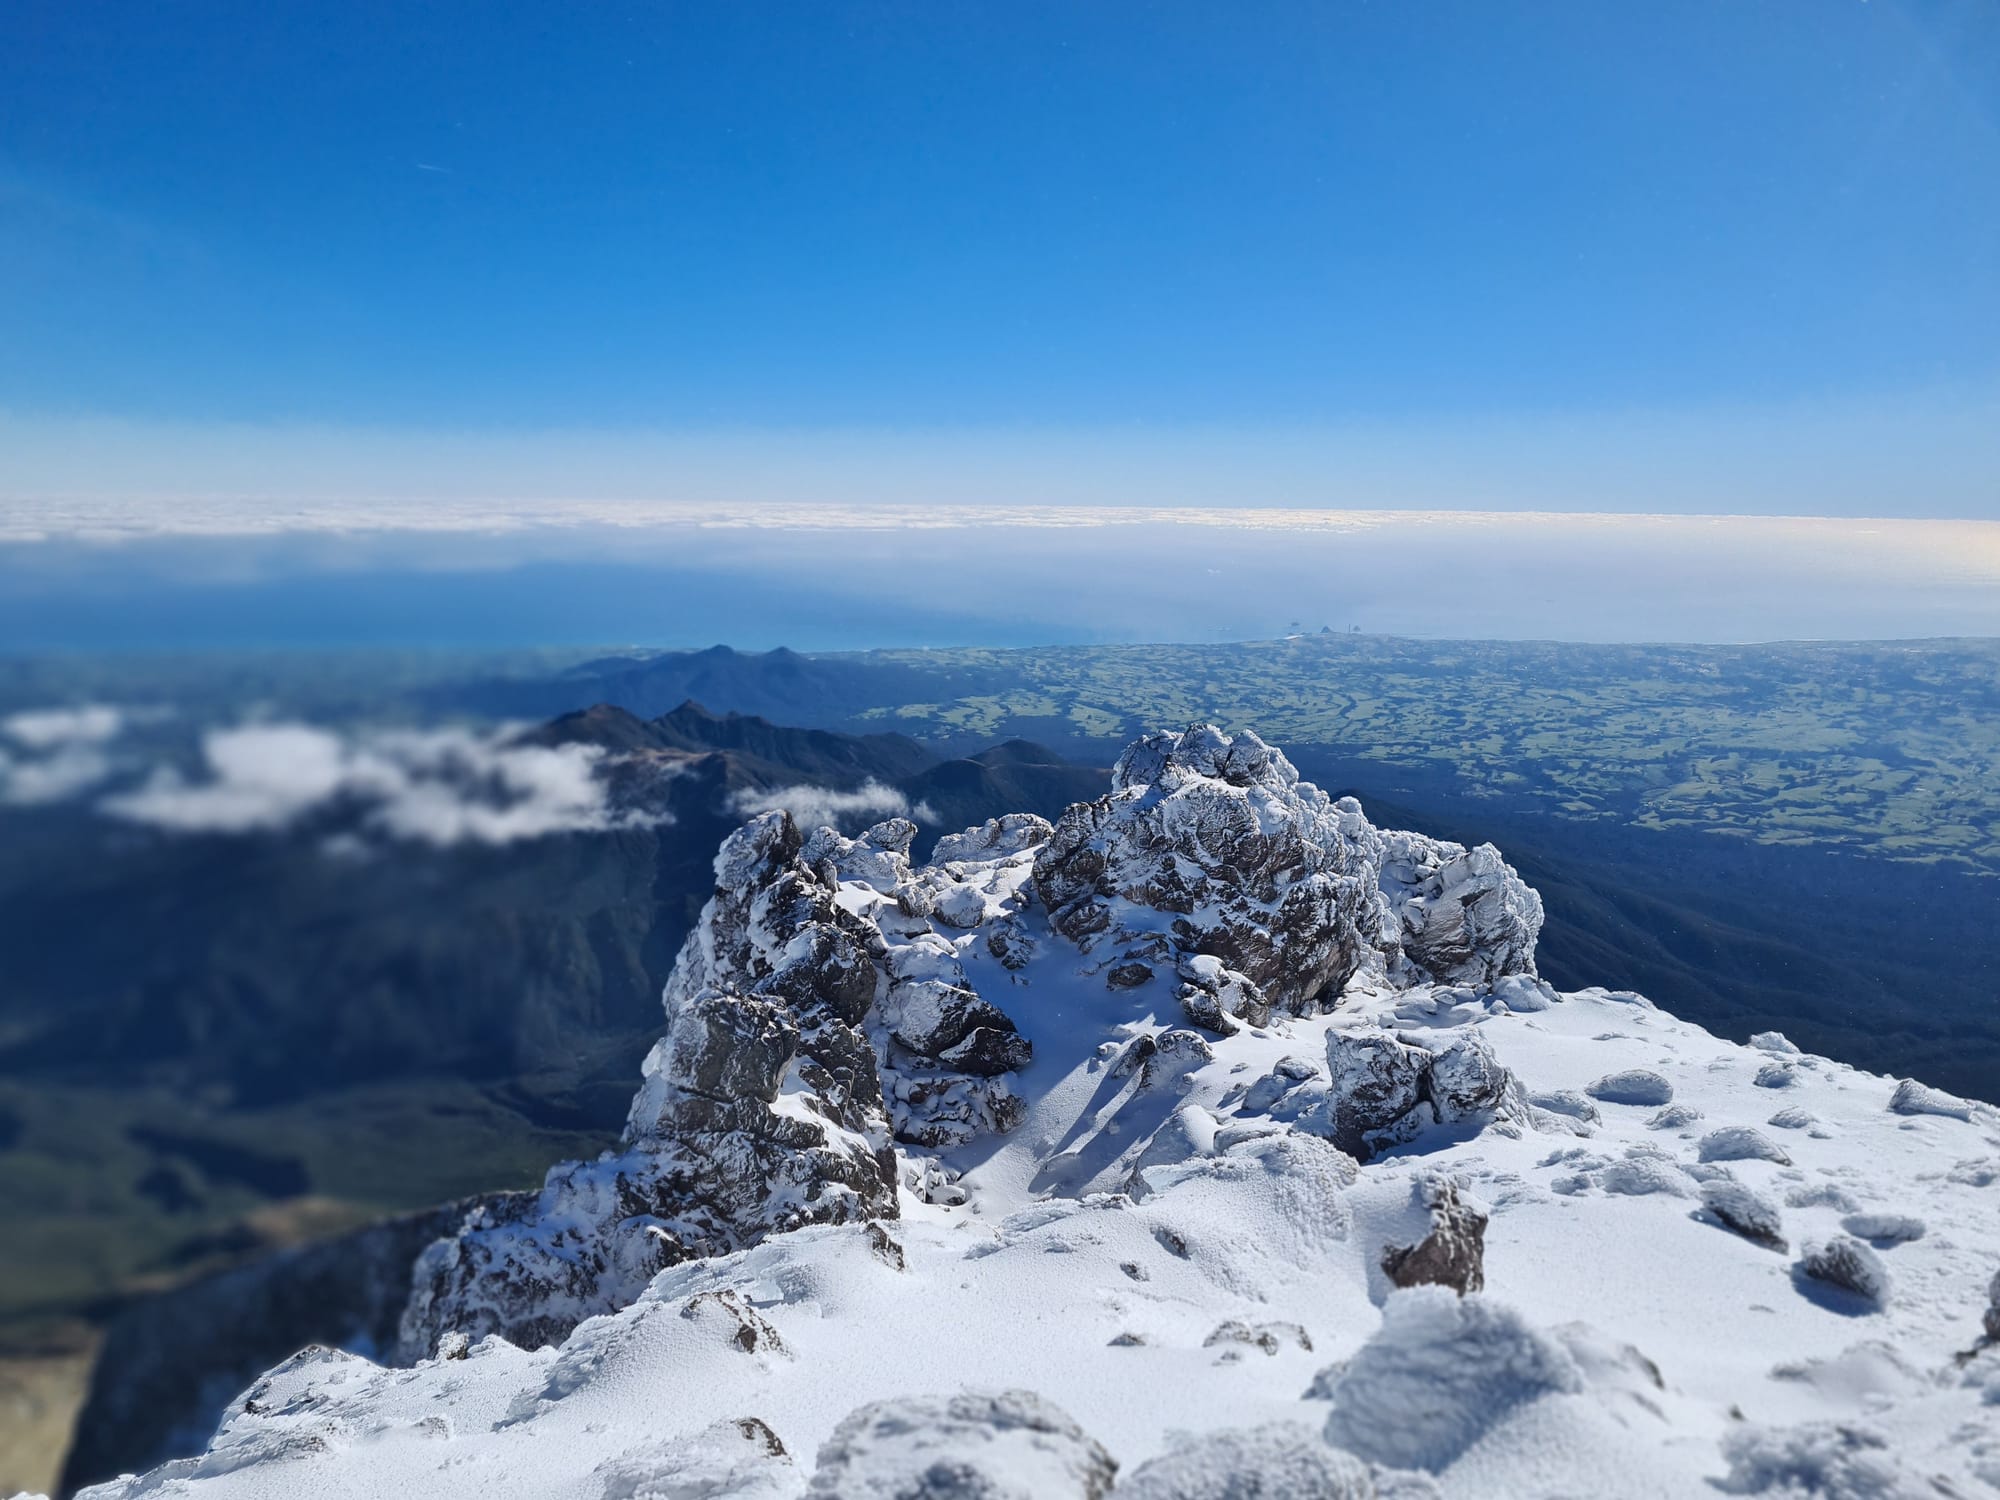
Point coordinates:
[(439, 787), (52, 728), (64, 752), (813, 806), (36, 781)]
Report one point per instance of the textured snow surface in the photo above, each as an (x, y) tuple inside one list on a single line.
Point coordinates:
[(1146, 1257)]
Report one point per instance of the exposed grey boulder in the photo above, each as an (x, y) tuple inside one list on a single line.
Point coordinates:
[(1632, 1086), (1453, 1254), (1009, 1445), (1216, 997), (1992, 1319)]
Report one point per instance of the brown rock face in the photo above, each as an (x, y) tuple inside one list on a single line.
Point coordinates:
[(1453, 1254)]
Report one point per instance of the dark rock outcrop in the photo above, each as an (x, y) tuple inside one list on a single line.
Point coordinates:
[(1453, 1254)]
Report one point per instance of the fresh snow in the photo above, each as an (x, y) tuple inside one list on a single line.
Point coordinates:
[(1166, 1269)]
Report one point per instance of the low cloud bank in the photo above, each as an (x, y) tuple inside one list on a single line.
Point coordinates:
[(814, 806), (439, 787)]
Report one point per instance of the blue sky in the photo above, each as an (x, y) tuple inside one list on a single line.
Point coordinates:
[(1023, 226)]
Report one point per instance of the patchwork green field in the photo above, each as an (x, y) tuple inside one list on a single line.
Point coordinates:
[(1890, 749)]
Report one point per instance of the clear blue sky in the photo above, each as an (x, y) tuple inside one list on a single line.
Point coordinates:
[(675, 217)]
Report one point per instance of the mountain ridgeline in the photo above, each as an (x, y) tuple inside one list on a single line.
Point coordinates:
[(1676, 805)]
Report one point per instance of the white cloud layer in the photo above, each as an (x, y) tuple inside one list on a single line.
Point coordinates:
[(814, 806), (438, 787)]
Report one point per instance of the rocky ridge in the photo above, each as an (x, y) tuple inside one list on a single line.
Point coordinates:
[(820, 1011), (1229, 1096)]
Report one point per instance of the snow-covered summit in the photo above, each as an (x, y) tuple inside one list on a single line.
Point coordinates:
[(1210, 1132)]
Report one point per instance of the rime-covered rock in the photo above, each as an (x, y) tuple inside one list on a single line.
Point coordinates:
[(763, 1108), (1244, 862), (1009, 1445), (1632, 1086), (1282, 1461), (1465, 916), (1744, 1210), (1884, 1228), (1846, 1263), (1741, 1143), (1438, 1373), (740, 1459), (1913, 1098), (1385, 1090)]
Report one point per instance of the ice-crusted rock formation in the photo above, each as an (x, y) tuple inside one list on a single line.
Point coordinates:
[(821, 1009), (812, 980), (1007, 1445), (1118, 1117), (1274, 895)]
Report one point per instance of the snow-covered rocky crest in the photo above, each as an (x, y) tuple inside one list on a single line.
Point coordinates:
[(1210, 1133)]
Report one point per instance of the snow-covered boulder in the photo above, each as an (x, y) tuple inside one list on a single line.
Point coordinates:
[(1632, 1086), (739, 1459), (1740, 1208), (1385, 1090), (1009, 1445), (1281, 1459), (1843, 1262), (1741, 1143), (1243, 861), (1439, 1372), (1913, 1098)]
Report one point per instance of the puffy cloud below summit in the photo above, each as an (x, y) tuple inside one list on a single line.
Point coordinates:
[(440, 787), (814, 806)]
